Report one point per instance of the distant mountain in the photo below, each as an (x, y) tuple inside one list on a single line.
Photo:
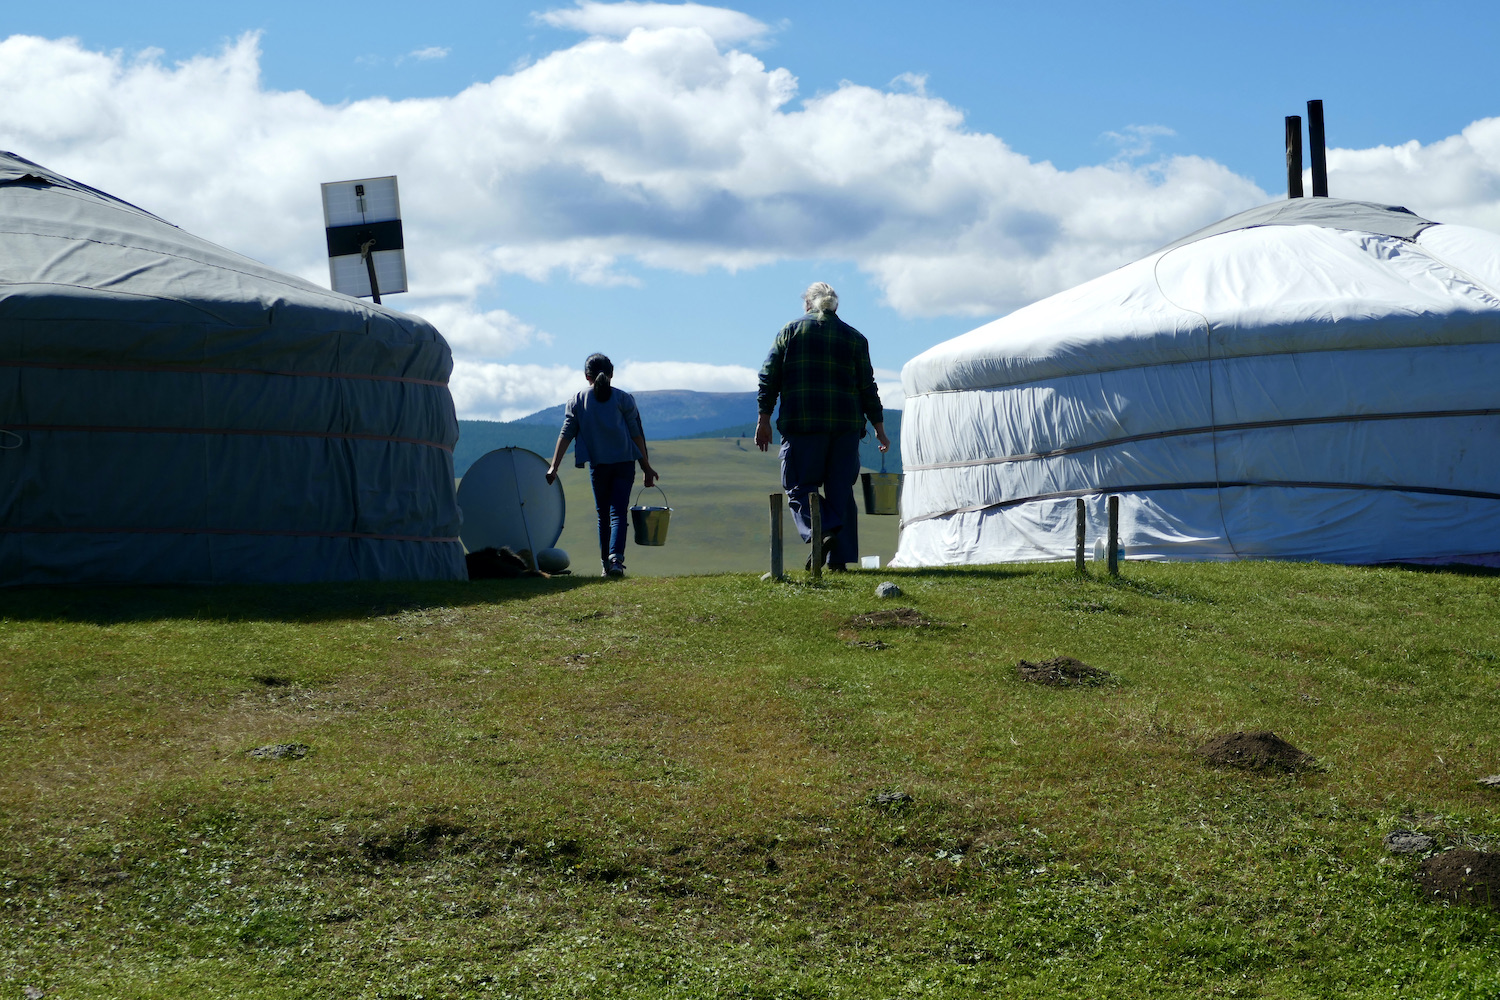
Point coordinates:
[(666, 415), (480, 437), (674, 413)]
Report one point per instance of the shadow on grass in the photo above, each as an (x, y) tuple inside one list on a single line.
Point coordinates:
[(1447, 569), (996, 572), (308, 602)]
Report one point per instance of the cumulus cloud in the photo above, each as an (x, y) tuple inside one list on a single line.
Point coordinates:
[(493, 391), (429, 53), (645, 375), (488, 390), (1456, 179), (1136, 141), (617, 20), (473, 333), (892, 396), (651, 142)]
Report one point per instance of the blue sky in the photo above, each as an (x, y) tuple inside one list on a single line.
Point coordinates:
[(1157, 117)]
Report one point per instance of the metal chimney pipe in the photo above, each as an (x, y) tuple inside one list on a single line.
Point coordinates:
[(1317, 149), (1294, 156)]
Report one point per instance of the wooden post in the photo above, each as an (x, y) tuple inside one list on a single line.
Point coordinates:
[(1078, 533), (1114, 536), (1294, 156), (815, 515), (1317, 149), (778, 566)]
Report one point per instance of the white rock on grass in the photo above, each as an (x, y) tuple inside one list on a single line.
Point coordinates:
[(887, 589)]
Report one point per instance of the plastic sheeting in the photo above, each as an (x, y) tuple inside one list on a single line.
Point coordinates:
[(176, 413), (1283, 391)]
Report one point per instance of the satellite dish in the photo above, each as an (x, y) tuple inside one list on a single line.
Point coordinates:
[(506, 501)]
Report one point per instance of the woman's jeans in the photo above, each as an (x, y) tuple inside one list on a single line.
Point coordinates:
[(612, 482)]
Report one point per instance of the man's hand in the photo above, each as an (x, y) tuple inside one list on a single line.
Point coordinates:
[(651, 475), (551, 475), (885, 442), (763, 431)]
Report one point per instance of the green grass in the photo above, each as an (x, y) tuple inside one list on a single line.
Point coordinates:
[(663, 787), (720, 522)]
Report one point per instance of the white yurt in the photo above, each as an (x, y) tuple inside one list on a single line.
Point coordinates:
[(1315, 379), (173, 412)]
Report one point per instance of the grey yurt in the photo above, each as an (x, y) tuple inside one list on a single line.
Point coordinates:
[(172, 412)]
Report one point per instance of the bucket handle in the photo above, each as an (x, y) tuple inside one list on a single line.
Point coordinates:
[(657, 489), (882, 463)]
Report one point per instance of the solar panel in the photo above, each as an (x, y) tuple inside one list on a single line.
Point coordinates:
[(362, 219)]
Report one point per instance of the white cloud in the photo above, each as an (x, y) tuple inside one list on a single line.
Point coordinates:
[(485, 390), (616, 20), (646, 375), (647, 143), (491, 391), (1456, 179), (429, 53), (892, 396), (1136, 141), (474, 334)]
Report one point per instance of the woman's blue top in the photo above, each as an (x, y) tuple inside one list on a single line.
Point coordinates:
[(602, 432)]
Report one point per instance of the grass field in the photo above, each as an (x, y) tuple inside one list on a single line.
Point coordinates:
[(688, 787), (720, 523)]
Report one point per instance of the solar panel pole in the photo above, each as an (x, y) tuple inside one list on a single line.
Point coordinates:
[(364, 251)]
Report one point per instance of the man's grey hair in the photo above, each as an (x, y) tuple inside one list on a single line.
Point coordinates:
[(820, 297)]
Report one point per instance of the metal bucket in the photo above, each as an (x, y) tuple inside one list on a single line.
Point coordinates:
[(650, 523), (882, 490)]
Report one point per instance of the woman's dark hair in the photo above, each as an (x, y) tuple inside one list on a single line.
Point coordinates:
[(601, 370)]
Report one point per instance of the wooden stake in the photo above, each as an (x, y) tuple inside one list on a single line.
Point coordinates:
[(1078, 533), (1114, 536), (815, 515), (778, 566)]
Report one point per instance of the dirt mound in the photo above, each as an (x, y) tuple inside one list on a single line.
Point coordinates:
[(1062, 671), (893, 618), (1258, 751), (1462, 876)]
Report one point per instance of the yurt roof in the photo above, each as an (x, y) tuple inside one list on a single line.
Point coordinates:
[(1308, 274), (85, 274)]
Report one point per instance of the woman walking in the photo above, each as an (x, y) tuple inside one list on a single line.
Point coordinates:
[(605, 428)]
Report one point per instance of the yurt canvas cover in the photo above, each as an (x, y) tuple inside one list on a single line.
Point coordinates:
[(174, 412), (1315, 379)]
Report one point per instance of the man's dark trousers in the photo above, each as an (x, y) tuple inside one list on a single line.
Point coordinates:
[(831, 461)]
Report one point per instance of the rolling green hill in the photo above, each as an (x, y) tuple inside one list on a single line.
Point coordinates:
[(478, 437), (718, 490)]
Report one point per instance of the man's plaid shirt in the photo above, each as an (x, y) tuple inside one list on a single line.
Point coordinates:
[(820, 367)]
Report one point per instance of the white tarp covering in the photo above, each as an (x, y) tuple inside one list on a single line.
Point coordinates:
[(1293, 390)]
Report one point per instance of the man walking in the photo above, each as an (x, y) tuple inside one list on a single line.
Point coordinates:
[(820, 368)]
